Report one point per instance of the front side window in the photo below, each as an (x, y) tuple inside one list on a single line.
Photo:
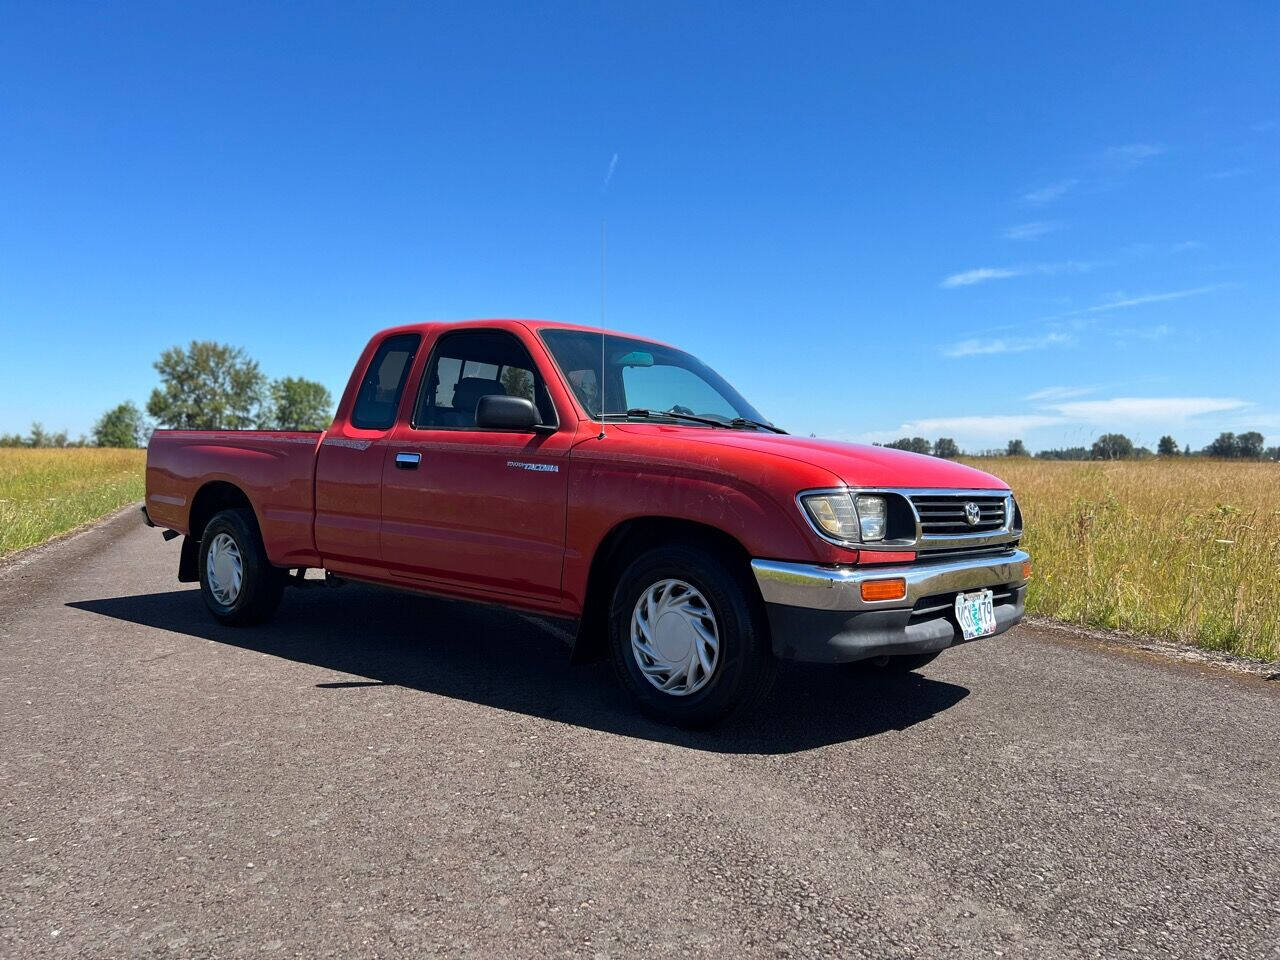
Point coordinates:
[(639, 375), (472, 364), (383, 382)]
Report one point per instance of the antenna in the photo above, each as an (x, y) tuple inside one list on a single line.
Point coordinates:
[(602, 279)]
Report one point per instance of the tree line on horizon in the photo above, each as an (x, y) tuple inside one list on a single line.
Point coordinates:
[(1109, 446), (206, 386)]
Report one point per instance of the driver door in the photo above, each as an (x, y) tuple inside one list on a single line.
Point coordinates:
[(472, 510)]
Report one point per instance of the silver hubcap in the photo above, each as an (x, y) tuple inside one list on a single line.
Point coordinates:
[(674, 638), (224, 568)]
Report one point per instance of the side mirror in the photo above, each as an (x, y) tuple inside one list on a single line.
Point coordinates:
[(507, 413)]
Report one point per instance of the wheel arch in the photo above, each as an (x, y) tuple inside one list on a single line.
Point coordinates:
[(211, 499), (624, 541)]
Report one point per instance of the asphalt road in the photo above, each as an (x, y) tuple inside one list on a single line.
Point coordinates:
[(383, 775)]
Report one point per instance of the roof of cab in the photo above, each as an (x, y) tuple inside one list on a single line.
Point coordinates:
[(507, 323)]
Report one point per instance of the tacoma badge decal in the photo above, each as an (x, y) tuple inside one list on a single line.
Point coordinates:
[(535, 467)]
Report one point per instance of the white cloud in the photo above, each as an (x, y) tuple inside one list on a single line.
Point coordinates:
[(1156, 332), (613, 165), (1121, 409), (969, 277), (1131, 155), (979, 346), (1050, 192), (996, 426), (1146, 248), (1031, 231), (1122, 302), (1060, 393)]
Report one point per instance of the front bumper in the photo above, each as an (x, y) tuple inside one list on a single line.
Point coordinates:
[(817, 613)]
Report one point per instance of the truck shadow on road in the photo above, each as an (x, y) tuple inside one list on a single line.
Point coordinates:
[(498, 658)]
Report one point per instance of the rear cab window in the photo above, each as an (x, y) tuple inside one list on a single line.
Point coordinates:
[(383, 384)]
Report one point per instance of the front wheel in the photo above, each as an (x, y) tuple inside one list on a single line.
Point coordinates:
[(688, 636), (238, 583)]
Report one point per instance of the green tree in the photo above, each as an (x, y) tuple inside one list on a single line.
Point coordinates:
[(1250, 445), (298, 404), (1112, 446), (1016, 448), (39, 436), (946, 448), (1226, 445), (912, 444), (208, 386), (120, 426), (1167, 447)]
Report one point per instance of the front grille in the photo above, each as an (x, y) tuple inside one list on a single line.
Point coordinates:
[(944, 514)]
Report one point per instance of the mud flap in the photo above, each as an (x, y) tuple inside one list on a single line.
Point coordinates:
[(189, 560)]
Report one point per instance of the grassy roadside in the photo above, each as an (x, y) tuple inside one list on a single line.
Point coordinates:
[(1186, 550), (47, 492)]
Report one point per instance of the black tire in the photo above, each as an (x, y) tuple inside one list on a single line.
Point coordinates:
[(744, 667), (261, 584), (902, 663)]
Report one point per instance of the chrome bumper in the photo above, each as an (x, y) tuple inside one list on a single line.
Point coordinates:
[(840, 588)]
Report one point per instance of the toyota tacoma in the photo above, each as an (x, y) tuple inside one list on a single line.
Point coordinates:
[(611, 481)]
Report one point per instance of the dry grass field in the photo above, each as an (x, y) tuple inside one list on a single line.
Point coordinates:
[(1183, 549), (47, 492)]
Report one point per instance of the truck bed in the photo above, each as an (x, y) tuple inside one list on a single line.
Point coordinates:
[(275, 468)]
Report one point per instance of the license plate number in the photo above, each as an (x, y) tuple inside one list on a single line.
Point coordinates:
[(976, 614)]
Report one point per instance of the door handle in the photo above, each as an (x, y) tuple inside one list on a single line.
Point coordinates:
[(408, 461)]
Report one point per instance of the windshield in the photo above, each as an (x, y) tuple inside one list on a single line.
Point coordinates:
[(642, 376)]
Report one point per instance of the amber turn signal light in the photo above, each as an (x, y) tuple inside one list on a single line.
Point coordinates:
[(894, 589), (1026, 569)]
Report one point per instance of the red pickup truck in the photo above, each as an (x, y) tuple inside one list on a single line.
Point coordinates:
[(610, 480)]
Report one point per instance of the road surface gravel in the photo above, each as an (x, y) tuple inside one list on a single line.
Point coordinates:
[(384, 775)]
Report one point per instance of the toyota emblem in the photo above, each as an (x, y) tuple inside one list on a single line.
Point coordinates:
[(972, 514)]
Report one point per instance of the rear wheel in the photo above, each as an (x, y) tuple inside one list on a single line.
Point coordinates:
[(688, 637), (238, 583)]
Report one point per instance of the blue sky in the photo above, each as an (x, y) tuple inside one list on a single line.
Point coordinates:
[(876, 219)]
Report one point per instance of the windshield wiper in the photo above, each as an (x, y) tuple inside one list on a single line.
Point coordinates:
[(672, 414), (737, 423), (745, 422)]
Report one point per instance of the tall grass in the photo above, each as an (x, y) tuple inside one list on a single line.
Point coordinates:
[(1183, 549), (46, 492)]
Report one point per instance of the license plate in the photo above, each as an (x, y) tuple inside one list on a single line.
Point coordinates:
[(976, 614)]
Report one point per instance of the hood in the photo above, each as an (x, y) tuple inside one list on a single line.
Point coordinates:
[(856, 464)]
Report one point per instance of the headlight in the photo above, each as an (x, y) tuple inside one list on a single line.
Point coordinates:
[(834, 514), (873, 517), (843, 517)]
